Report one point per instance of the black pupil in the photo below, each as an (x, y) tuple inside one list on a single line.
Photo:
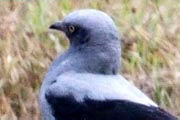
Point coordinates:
[(71, 28)]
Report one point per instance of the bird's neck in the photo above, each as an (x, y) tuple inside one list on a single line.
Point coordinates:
[(96, 60), (101, 59)]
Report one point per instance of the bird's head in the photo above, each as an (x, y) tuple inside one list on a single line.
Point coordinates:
[(88, 26), (94, 36)]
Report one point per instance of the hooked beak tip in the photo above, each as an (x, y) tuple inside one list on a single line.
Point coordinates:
[(52, 26), (56, 26)]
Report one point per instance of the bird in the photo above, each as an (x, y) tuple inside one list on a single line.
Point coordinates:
[(83, 83)]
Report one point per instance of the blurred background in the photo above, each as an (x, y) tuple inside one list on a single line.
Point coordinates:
[(150, 32)]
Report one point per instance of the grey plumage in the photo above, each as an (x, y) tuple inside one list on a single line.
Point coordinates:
[(89, 67), (99, 54)]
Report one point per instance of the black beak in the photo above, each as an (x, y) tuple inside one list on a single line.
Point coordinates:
[(57, 26)]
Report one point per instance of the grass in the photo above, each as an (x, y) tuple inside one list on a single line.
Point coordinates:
[(150, 31)]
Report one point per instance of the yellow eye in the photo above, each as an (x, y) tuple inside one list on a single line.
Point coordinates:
[(71, 28)]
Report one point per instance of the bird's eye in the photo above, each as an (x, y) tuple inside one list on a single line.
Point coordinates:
[(71, 28)]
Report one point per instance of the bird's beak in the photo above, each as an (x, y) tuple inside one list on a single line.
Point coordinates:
[(57, 26)]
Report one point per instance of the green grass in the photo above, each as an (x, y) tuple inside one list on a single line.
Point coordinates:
[(150, 31)]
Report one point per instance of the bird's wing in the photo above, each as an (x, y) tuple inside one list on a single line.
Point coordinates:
[(98, 97), (67, 108), (98, 87)]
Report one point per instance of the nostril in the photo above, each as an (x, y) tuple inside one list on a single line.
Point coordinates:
[(54, 81)]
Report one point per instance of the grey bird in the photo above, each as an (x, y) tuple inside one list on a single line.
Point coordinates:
[(83, 83)]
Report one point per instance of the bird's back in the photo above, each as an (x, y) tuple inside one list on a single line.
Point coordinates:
[(109, 98)]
